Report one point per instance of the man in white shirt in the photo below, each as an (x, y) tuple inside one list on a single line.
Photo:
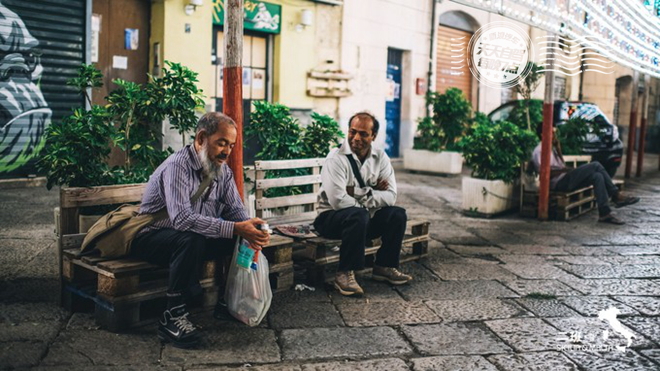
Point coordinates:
[(354, 213), (593, 174)]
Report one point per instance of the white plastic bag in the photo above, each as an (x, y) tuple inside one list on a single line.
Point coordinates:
[(248, 292)]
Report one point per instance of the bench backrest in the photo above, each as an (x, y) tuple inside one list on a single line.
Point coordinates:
[(299, 208)]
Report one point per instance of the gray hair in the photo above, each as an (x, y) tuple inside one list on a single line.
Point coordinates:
[(210, 122)]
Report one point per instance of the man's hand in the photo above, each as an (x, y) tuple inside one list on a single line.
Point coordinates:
[(248, 230), (382, 185), (351, 191)]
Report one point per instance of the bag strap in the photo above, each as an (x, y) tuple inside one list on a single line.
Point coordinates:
[(356, 171), (203, 186)]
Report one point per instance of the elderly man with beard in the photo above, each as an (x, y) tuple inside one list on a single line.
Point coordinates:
[(193, 233), (353, 212)]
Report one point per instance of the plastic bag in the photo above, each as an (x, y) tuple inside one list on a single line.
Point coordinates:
[(248, 292)]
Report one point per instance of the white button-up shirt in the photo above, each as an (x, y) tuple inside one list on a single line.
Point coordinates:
[(337, 175)]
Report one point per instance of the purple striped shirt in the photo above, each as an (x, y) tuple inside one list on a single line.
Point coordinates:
[(175, 182)]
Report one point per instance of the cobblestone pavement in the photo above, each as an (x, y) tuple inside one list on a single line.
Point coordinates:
[(494, 294)]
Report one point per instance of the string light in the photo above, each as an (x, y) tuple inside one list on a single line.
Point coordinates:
[(625, 36)]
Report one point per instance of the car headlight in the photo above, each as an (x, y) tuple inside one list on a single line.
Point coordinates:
[(615, 132)]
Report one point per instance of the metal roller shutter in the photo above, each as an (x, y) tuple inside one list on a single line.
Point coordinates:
[(41, 47), (446, 76)]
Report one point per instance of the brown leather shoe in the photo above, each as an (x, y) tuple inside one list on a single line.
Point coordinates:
[(347, 285), (391, 275), (609, 218)]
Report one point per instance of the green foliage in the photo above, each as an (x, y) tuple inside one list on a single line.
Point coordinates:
[(321, 135), (496, 150), (282, 138), (77, 149), (573, 134), (526, 89), (131, 121), (480, 118), (518, 114), (450, 118)]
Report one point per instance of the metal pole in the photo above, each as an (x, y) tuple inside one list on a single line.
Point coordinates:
[(642, 128), (633, 124), (232, 84), (546, 136), (431, 48)]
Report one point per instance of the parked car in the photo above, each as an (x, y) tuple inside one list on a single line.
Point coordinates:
[(606, 148)]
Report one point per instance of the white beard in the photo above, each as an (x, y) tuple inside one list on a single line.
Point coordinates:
[(210, 167)]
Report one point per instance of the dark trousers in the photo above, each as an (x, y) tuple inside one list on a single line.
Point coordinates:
[(354, 225), (184, 253), (593, 174)]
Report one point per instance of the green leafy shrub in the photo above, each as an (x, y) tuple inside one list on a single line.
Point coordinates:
[(518, 114), (496, 150), (282, 138), (450, 118), (573, 134)]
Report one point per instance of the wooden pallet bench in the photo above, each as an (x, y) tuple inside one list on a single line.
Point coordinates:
[(318, 255), (126, 292)]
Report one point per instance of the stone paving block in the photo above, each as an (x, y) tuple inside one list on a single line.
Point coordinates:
[(532, 249), (546, 238), (466, 250), (526, 334), (527, 259), (481, 259), (537, 271), (647, 326), (386, 313), (29, 331), (547, 308), (476, 309), (101, 347), (31, 312), (636, 249), (138, 367), (646, 305), (303, 314), (589, 250), (227, 346), (611, 361), (390, 364), (631, 259), (458, 338), (353, 342), (373, 291), (652, 354), (538, 361), (633, 240), (290, 296), (505, 237), (590, 306), (614, 271), (591, 332), (470, 272), (250, 367), (454, 290), (21, 354), (549, 287), (614, 286), (472, 363), (468, 239), (583, 260)]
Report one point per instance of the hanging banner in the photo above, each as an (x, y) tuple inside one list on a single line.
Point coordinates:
[(258, 15)]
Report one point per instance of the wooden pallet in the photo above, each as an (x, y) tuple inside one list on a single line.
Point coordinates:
[(321, 255)]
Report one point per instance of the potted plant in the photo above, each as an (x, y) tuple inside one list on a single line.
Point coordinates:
[(282, 138), (436, 149), (77, 148), (495, 151)]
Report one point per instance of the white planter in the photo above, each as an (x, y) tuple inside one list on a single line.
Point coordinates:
[(433, 162), (488, 197)]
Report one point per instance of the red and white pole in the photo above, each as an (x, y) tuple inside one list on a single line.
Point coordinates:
[(642, 128), (232, 84), (546, 136), (632, 126)]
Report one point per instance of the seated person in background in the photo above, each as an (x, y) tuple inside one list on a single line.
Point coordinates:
[(194, 231), (355, 213), (563, 179)]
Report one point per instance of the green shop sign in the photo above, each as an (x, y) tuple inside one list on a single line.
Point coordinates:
[(258, 15)]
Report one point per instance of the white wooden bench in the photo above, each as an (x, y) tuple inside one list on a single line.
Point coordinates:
[(318, 256)]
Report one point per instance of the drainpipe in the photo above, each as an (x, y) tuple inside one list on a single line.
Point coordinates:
[(433, 40)]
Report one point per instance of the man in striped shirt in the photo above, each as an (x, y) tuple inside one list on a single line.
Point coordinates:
[(194, 231)]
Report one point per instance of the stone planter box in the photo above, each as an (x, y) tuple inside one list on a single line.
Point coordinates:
[(488, 197), (433, 162)]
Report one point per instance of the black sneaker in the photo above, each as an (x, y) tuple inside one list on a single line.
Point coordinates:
[(221, 312), (176, 328)]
